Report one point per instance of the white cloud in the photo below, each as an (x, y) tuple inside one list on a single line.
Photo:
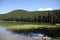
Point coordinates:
[(45, 9)]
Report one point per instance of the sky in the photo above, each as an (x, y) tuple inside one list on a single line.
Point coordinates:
[(29, 5)]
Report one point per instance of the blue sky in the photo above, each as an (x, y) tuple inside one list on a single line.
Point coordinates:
[(30, 5)]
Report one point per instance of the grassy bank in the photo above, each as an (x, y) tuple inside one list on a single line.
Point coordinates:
[(52, 30), (17, 25), (30, 26)]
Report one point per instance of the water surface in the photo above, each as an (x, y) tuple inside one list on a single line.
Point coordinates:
[(8, 35)]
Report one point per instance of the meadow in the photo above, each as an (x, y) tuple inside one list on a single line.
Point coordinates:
[(26, 25)]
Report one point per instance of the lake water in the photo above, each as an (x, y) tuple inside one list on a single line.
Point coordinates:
[(8, 35)]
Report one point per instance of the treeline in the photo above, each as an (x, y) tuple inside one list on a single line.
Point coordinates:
[(35, 16)]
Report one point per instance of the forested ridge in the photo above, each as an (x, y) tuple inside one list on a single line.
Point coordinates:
[(32, 16)]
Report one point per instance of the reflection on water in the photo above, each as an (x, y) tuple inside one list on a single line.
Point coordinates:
[(8, 35), (4, 30)]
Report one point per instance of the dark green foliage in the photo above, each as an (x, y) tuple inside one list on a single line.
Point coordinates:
[(35, 16)]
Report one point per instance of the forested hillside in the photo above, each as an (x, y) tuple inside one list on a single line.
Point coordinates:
[(32, 16)]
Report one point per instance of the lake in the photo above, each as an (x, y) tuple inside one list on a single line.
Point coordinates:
[(9, 35)]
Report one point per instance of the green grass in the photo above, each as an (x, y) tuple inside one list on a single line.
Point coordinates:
[(30, 26), (14, 22), (9, 23), (25, 25)]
